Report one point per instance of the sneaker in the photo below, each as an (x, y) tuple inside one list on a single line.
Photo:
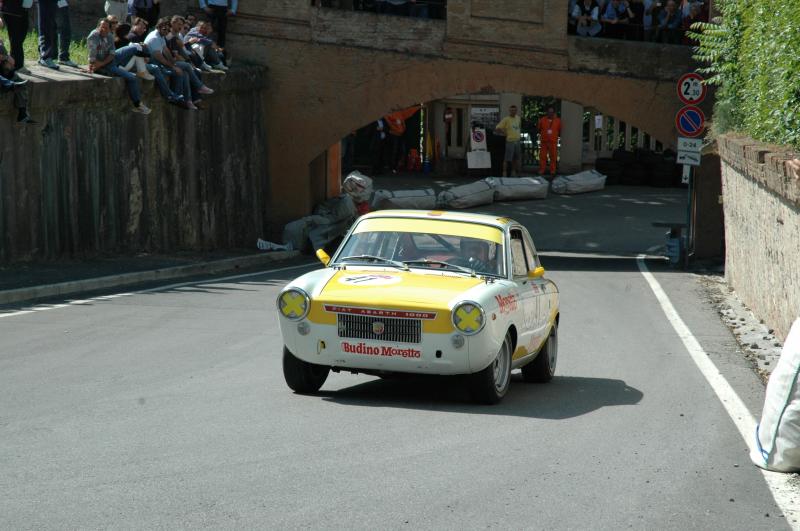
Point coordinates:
[(142, 109), (49, 63), (190, 106), (68, 62), (220, 66), (205, 67), (26, 120), (147, 76), (205, 90), (175, 98)]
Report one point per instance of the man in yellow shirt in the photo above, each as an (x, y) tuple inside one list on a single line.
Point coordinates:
[(511, 128)]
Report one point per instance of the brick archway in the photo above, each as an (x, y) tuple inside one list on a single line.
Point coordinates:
[(350, 89)]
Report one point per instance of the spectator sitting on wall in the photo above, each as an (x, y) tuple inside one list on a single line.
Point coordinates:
[(184, 80), (586, 15), (10, 81), (15, 19), (669, 24), (647, 19), (137, 62), (146, 9), (636, 21), (219, 11), (693, 16), (136, 34), (105, 60), (615, 18), (200, 41)]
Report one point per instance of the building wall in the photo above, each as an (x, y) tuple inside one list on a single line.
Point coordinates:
[(94, 177), (762, 229)]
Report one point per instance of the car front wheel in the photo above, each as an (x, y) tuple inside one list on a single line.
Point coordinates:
[(490, 385), (543, 367), (303, 377)]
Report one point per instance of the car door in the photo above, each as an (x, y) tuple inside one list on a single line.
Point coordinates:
[(526, 294), (543, 292)]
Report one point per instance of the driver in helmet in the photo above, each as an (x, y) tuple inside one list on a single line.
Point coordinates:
[(476, 252)]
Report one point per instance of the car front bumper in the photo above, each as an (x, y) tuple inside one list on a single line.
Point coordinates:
[(434, 354)]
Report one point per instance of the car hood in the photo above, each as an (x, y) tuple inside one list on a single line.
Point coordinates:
[(395, 289)]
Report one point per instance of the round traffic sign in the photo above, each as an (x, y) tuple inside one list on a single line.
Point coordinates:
[(690, 121), (691, 89)]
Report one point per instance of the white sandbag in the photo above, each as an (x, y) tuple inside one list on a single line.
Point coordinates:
[(777, 444), (467, 195), (585, 181), (358, 186), (341, 208), (422, 199), (518, 188)]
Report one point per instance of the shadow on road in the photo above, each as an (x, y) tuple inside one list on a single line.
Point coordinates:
[(612, 263), (564, 397)]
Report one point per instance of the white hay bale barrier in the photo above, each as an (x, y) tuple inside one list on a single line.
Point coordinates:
[(467, 195), (518, 189), (580, 183), (422, 199)]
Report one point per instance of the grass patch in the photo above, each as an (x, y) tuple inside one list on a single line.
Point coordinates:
[(78, 51)]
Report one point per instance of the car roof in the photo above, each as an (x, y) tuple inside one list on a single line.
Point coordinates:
[(432, 215)]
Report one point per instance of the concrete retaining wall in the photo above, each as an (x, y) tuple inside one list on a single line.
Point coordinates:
[(94, 177), (762, 229)]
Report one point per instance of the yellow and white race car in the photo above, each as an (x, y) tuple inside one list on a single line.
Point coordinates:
[(424, 292)]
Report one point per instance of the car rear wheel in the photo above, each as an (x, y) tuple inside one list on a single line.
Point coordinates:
[(303, 377), (490, 385), (543, 367)]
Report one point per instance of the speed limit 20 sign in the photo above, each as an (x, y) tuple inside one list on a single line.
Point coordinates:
[(691, 90)]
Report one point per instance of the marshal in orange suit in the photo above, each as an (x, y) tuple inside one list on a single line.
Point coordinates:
[(549, 131)]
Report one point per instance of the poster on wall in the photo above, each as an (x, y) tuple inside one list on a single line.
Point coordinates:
[(486, 117)]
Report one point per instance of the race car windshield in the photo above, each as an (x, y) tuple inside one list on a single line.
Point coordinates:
[(429, 250)]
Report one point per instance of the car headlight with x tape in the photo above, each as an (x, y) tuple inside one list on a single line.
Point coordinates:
[(468, 317), (293, 304)]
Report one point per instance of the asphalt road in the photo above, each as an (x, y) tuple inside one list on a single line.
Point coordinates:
[(167, 409)]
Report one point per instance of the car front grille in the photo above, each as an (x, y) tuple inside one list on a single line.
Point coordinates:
[(394, 330)]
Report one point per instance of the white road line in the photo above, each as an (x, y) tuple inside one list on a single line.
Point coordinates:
[(782, 491), (45, 307)]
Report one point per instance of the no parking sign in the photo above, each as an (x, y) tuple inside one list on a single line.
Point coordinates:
[(690, 121)]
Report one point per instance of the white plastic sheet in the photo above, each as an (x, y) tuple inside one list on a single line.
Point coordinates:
[(358, 186), (777, 445)]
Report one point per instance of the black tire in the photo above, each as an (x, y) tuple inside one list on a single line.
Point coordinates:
[(303, 377), (543, 367), (490, 385)]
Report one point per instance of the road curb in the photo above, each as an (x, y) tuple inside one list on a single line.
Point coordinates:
[(127, 279)]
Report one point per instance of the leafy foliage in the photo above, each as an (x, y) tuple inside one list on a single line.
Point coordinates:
[(753, 55)]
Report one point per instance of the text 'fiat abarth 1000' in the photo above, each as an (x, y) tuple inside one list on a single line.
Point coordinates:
[(428, 293)]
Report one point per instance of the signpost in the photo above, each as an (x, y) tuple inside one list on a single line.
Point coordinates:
[(690, 123)]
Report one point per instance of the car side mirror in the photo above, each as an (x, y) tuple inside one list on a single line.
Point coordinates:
[(536, 273), (323, 256)]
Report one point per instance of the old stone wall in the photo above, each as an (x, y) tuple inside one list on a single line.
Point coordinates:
[(94, 177), (762, 229)]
